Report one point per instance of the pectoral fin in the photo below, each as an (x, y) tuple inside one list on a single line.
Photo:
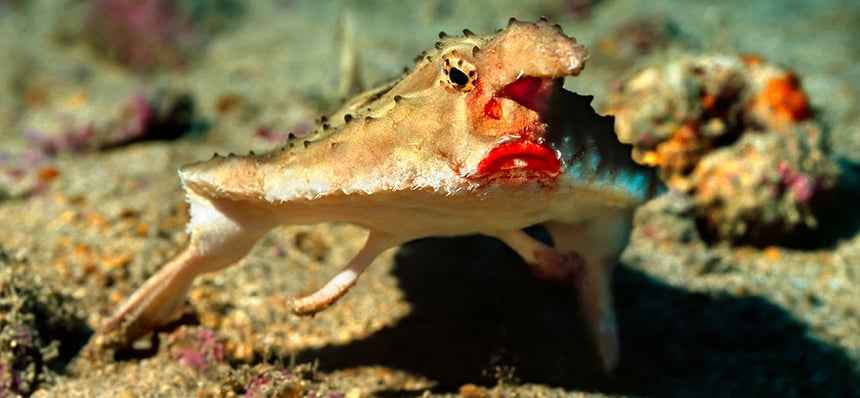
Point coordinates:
[(221, 231)]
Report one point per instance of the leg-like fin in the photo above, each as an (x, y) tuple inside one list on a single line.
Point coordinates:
[(546, 262), (599, 242), (338, 285), (221, 232)]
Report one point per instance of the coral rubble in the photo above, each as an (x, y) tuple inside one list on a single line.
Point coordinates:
[(735, 133)]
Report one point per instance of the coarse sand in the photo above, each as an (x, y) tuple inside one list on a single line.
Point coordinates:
[(86, 215)]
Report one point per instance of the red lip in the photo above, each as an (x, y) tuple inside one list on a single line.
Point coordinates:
[(518, 157)]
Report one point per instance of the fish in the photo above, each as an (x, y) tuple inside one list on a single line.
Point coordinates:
[(480, 137)]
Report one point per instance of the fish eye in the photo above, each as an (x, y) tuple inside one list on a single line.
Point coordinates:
[(457, 77), (459, 74)]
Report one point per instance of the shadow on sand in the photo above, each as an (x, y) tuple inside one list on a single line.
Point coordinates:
[(479, 315)]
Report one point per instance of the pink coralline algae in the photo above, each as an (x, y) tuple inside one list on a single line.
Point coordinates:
[(142, 34), (151, 35), (736, 134), (199, 351)]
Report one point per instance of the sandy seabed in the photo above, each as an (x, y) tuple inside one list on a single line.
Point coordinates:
[(86, 216)]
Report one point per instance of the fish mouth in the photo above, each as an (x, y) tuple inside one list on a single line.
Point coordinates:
[(520, 158), (523, 156), (531, 92)]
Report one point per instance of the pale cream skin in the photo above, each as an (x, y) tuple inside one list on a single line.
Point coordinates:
[(404, 161)]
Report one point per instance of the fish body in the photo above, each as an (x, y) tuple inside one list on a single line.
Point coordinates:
[(479, 138)]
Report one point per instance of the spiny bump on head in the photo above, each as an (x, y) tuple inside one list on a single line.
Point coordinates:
[(375, 96), (347, 118), (468, 33), (443, 35)]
